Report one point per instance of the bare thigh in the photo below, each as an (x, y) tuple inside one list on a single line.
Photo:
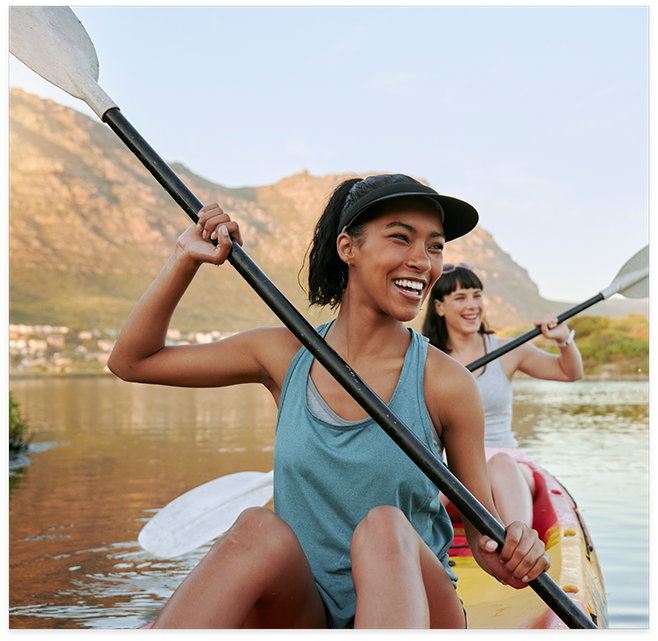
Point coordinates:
[(506, 469), (399, 581), (529, 476), (446, 610), (255, 576)]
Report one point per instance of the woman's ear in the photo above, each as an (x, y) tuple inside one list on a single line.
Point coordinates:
[(438, 306), (345, 247)]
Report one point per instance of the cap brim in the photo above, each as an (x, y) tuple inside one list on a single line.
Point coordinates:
[(460, 217)]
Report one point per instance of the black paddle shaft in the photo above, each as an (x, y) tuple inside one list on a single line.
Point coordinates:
[(431, 466), (535, 331)]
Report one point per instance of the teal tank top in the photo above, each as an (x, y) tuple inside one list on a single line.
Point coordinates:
[(327, 477)]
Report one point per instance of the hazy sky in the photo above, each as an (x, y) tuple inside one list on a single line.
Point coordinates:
[(538, 116)]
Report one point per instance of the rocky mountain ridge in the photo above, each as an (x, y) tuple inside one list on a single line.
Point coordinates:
[(89, 228)]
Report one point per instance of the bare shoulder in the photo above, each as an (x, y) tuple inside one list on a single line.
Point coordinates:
[(447, 383), (444, 374), (276, 338), (274, 348), (512, 359), (503, 341)]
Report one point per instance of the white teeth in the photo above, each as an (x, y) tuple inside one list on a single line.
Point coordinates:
[(411, 284)]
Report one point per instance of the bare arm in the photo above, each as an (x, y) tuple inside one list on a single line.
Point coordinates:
[(565, 366), (456, 404), (140, 353)]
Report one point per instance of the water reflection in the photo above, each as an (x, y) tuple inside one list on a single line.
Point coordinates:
[(124, 589), (126, 450), (75, 512), (594, 438)]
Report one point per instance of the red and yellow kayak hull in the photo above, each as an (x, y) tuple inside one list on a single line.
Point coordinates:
[(575, 568)]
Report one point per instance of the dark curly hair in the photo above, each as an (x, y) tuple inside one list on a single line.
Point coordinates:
[(434, 326)]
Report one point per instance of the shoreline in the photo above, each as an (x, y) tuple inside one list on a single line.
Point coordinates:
[(616, 377), (604, 376)]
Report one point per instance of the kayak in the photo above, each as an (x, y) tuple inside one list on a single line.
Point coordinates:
[(574, 567)]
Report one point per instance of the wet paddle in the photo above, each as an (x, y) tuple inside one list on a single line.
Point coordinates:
[(631, 281), (53, 42)]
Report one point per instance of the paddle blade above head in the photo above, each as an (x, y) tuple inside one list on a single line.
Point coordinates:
[(52, 42), (632, 280), (84, 87)]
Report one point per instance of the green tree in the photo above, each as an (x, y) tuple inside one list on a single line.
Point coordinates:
[(17, 427)]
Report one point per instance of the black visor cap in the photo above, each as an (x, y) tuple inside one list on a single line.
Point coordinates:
[(459, 219)]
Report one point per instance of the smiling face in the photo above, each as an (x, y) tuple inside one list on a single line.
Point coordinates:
[(462, 310), (400, 256)]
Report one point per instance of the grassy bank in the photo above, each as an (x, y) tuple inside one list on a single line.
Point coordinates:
[(17, 427), (610, 347)]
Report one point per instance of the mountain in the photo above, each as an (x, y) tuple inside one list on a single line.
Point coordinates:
[(89, 229)]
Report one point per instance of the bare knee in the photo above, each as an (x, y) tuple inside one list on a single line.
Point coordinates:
[(257, 517), (504, 469), (381, 519), (501, 463), (254, 522), (384, 530), (260, 532)]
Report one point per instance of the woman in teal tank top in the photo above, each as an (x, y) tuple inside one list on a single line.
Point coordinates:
[(315, 453), (358, 537)]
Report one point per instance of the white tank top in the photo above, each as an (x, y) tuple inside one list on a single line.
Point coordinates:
[(496, 392)]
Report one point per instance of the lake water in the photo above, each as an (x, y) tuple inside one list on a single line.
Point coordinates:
[(106, 455)]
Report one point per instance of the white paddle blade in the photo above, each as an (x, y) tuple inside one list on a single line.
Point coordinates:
[(52, 42), (632, 280), (202, 514)]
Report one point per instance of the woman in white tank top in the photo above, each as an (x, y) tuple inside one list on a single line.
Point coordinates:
[(455, 324)]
